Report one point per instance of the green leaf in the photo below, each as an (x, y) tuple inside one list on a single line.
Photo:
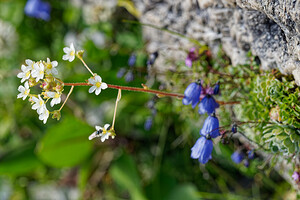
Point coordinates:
[(185, 191), (66, 144), (124, 172), (19, 161)]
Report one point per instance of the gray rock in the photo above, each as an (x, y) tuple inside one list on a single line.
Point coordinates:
[(270, 29)]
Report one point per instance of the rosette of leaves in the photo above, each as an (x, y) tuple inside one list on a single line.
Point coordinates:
[(274, 101)]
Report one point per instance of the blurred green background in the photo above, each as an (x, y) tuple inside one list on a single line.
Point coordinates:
[(57, 161)]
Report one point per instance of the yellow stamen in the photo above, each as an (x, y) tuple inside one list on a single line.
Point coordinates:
[(27, 74), (41, 103), (98, 84), (56, 95)]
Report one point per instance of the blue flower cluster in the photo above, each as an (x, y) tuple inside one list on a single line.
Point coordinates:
[(203, 147), (38, 9), (239, 156), (129, 76)]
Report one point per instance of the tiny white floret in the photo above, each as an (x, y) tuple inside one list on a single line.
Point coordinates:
[(29, 64), (56, 98), (44, 115), (69, 53), (39, 104), (38, 71), (50, 67), (24, 91), (25, 74), (97, 85), (104, 133)]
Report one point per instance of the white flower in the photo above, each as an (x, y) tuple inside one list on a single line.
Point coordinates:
[(97, 85), (56, 98), (44, 115), (24, 91), (30, 64), (104, 133), (38, 71), (25, 74), (70, 53), (50, 67), (39, 104)]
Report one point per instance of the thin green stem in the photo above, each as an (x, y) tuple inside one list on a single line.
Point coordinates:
[(117, 100), (86, 66), (71, 90)]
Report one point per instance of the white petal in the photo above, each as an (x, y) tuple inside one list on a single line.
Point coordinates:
[(66, 49), (72, 47), (98, 90), (106, 126), (92, 89), (98, 128), (21, 88), (98, 79), (20, 75), (92, 81), (20, 96), (103, 86), (50, 94), (65, 57), (93, 135), (54, 63), (71, 58)]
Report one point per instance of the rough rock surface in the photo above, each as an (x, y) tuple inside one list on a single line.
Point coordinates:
[(269, 28)]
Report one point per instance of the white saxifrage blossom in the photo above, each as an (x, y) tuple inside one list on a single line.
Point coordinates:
[(50, 67), (44, 115), (39, 104), (97, 85), (55, 98), (70, 53), (104, 133), (30, 64), (38, 71), (24, 91), (25, 74)]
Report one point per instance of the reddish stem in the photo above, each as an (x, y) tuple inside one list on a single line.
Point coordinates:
[(157, 92)]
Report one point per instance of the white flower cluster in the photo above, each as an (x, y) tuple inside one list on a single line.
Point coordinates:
[(104, 133), (40, 72)]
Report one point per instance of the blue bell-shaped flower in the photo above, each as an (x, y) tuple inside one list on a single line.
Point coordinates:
[(202, 150), (192, 94), (237, 157), (208, 104), (210, 127), (38, 9)]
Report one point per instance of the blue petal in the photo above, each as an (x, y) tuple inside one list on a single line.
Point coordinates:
[(192, 94), (38, 9), (208, 104), (211, 127), (202, 150), (237, 157)]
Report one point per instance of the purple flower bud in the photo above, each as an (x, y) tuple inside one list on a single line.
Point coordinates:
[(251, 154), (148, 123), (38, 9), (132, 60), (121, 72), (246, 163), (152, 58), (296, 176), (210, 127), (234, 128), (237, 157), (192, 94), (129, 76), (192, 56), (217, 88), (208, 104), (202, 150)]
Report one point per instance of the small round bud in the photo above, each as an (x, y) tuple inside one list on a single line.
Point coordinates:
[(56, 114)]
